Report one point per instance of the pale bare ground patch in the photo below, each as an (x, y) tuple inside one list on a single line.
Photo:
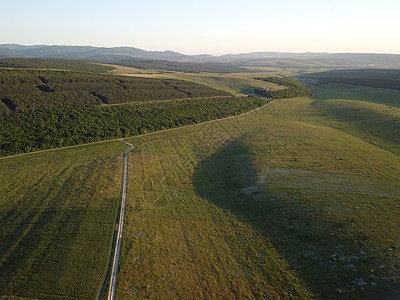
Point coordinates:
[(324, 181), (123, 70), (143, 75)]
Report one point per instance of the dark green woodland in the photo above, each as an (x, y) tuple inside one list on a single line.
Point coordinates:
[(47, 109)]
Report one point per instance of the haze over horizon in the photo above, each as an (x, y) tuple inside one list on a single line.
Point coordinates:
[(208, 27)]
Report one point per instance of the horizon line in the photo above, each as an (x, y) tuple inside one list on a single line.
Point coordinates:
[(199, 54)]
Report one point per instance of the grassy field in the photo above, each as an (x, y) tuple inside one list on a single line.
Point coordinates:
[(123, 70), (57, 212), (295, 200), (234, 83), (244, 83), (352, 92), (371, 112)]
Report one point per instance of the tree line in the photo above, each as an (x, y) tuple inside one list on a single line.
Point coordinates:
[(39, 129), (54, 63), (293, 88)]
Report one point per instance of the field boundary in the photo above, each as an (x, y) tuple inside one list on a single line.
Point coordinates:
[(145, 134)]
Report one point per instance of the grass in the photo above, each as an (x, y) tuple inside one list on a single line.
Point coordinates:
[(179, 244), (57, 212), (242, 82), (297, 200), (285, 202), (371, 112), (352, 92), (234, 83), (122, 70)]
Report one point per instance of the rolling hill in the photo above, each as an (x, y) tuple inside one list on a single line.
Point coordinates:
[(285, 59)]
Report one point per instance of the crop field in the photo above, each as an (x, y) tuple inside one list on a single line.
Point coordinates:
[(57, 212), (295, 200)]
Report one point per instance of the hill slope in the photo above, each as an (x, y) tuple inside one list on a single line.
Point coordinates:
[(255, 59)]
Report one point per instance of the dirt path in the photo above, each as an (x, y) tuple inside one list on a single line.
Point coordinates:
[(115, 248), (113, 279)]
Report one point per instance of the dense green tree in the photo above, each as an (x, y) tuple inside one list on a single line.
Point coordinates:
[(39, 129), (33, 89), (293, 88)]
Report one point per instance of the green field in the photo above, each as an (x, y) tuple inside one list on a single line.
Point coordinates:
[(235, 83), (243, 83), (378, 78), (352, 92), (299, 199), (57, 212), (175, 66), (292, 201)]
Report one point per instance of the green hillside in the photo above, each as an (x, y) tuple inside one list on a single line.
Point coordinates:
[(53, 63), (379, 78), (294, 201)]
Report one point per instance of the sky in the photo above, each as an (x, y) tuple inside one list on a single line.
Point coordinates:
[(208, 26)]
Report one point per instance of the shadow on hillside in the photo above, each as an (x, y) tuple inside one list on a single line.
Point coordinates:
[(330, 266), (376, 123)]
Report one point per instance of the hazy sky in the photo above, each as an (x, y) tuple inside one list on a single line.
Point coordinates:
[(207, 26)]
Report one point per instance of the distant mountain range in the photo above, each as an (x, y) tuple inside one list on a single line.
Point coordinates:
[(83, 52), (254, 59)]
